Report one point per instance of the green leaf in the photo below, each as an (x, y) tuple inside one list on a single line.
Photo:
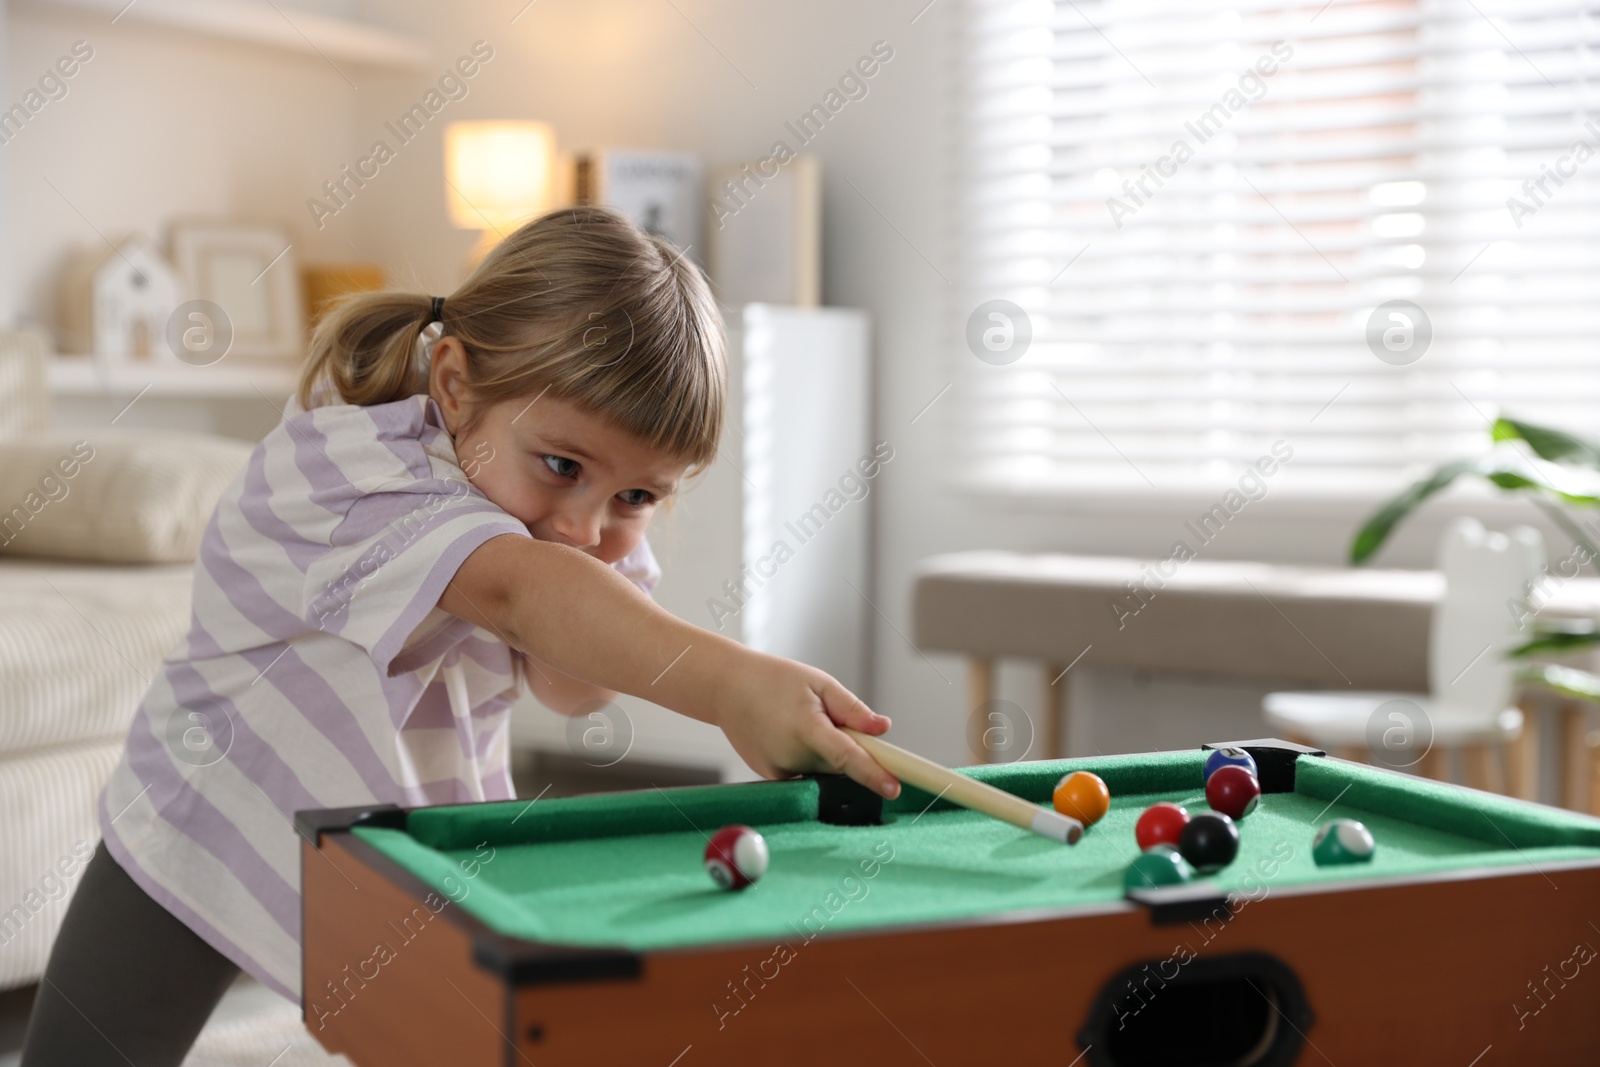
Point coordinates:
[(1564, 680), (1509, 479), (1554, 445), (1383, 521), (1554, 640)]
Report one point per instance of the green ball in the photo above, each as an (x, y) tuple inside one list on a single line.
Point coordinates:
[(1161, 865), (1342, 841)]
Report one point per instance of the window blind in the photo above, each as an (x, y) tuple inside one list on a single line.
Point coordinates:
[(1204, 212)]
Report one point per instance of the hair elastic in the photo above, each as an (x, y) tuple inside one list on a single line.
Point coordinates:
[(437, 312)]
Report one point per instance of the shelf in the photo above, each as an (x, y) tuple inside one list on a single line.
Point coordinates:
[(84, 376), (275, 26)]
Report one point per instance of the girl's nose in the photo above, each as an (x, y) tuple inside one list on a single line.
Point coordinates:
[(578, 527)]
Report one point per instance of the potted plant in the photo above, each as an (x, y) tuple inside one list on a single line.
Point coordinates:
[(1547, 466)]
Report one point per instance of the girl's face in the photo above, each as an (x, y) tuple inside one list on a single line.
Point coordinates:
[(569, 476)]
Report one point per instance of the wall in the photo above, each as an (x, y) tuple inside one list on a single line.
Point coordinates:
[(160, 124), (185, 124), (721, 78), (643, 75)]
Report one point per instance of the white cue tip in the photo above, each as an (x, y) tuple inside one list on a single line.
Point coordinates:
[(1057, 827)]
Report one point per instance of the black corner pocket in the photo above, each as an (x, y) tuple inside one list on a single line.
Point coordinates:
[(842, 801), (1244, 1010)]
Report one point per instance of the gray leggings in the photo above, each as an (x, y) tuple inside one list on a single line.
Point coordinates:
[(126, 983)]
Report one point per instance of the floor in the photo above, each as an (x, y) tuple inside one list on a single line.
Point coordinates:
[(253, 1019)]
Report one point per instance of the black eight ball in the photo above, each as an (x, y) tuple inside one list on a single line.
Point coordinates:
[(1210, 842)]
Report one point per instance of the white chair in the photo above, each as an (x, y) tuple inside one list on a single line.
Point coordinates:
[(1469, 708)]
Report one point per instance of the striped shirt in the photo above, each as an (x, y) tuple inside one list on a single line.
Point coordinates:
[(318, 672)]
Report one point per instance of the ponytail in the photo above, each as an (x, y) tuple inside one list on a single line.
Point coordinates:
[(365, 348)]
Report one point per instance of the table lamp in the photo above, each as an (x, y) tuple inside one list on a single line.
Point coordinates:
[(498, 174)]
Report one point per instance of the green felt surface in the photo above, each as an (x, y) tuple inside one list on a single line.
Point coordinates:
[(625, 869)]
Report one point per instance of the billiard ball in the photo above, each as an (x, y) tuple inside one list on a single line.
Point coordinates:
[(736, 856), (1209, 842), (1342, 841), (1162, 865), (1230, 757), (1083, 796), (1233, 791), (1161, 824)]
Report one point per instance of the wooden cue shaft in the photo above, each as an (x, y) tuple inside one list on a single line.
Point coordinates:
[(978, 796)]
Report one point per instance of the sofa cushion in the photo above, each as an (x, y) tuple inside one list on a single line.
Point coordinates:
[(79, 645), (136, 497)]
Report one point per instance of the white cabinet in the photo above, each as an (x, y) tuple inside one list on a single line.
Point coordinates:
[(805, 497)]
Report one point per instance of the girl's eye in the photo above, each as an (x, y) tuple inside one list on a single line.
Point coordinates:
[(561, 466), (637, 498)]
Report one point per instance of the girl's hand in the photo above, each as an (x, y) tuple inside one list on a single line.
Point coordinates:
[(782, 717)]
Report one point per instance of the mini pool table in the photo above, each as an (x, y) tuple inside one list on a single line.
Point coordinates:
[(585, 931)]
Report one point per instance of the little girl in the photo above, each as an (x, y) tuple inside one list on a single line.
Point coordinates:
[(425, 527)]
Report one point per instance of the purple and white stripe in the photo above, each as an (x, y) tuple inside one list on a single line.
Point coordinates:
[(319, 672)]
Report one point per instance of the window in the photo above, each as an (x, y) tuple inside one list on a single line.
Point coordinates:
[(1205, 210)]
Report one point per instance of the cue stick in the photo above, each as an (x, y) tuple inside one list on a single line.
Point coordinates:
[(969, 793)]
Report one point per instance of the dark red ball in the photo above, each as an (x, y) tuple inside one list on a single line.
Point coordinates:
[(1161, 824), (1233, 791), (736, 856)]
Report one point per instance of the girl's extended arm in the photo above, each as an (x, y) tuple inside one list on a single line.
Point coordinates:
[(586, 620), (562, 693)]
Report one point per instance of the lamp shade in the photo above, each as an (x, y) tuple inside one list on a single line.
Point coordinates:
[(497, 173)]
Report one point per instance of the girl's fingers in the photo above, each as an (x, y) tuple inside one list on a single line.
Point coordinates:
[(847, 709), (849, 758)]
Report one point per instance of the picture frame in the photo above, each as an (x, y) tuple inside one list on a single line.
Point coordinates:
[(765, 234), (662, 192), (250, 271)]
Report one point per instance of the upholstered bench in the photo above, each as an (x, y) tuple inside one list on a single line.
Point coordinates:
[(1300, 627)]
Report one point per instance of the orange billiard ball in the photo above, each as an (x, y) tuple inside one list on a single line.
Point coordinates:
[(1083, 796)]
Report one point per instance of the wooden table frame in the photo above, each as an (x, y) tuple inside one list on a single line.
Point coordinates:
[(1032, 985)]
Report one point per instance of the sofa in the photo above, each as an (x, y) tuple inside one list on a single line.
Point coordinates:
[(99, 527)]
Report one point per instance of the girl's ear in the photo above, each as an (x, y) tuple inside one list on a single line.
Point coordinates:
[(447, 381)]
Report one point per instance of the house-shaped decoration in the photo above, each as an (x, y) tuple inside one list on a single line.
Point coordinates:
[(117, 301)]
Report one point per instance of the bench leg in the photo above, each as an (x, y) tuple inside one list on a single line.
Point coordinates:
[(1522, 756), (1433, 765), (1482, 767), (1056, 723), (980, 690), (1573, 758), (1594, 774)]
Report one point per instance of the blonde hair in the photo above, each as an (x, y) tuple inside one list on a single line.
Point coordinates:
[(579, 303)]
